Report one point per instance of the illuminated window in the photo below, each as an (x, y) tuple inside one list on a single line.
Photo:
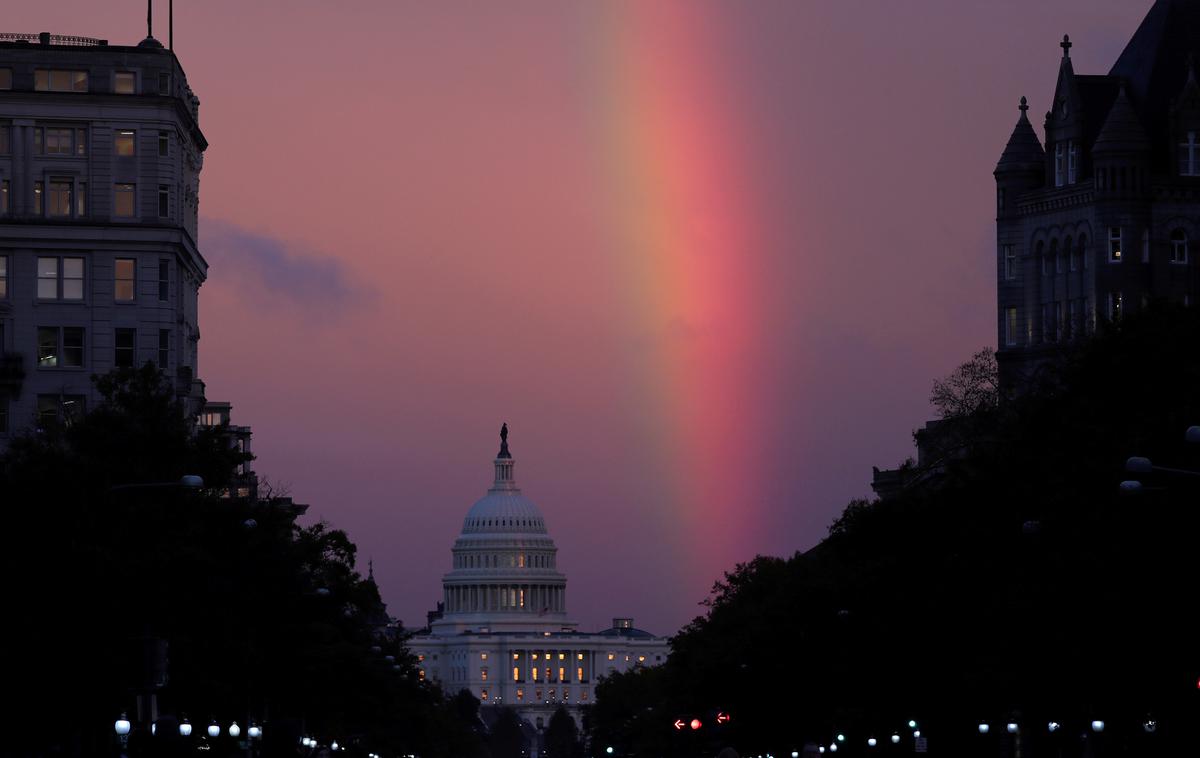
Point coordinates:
[(123, 143), (579, 656), (520, 694), (60, 347), (124, 348), (421, 657), (627, 658), (1114, 244), (60, 198), (483, 656), (49, 80), (124, 84), (60, 278), (59, 408), (612, 657), (483, 674), (562, 656), (1011, 332), (1116, 306), (562, 674), (123, 200), (516, 656), (521, 562), (123, 280), (551, 693), (516, 674), (1179, 246), (421, 675), (641, 659), (534, 671), (579, 673), (1189, 156)]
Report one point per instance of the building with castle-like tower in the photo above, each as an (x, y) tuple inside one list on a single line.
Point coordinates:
[(502, 631), (1105, 217)]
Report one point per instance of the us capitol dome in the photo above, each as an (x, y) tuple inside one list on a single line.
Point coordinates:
[(502, 631)]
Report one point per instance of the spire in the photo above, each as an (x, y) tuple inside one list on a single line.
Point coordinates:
[(1066, 45), (1024, 151), (1122, 131), (370, 569)]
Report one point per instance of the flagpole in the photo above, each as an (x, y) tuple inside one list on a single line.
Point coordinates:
[(171, 25), (149, 18)]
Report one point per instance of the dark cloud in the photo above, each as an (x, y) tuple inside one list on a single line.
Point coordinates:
[(260, 266)]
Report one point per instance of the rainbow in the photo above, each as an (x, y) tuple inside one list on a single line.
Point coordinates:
[(679, 199)]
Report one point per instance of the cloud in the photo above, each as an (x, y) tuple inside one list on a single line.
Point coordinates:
[(257, 265)]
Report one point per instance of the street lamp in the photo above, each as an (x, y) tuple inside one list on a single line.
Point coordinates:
[(872, 742), (1097, 726), (214, 729), (254, 732), (122, 726), (984, 728), (1012, 727), (235, 731), (1053, 726), (185, 728), (895, 739), (609, 750)]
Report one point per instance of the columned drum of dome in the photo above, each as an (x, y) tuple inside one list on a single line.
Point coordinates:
[(504, 573)]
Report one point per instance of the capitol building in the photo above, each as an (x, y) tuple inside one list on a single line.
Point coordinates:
[(502, 631)]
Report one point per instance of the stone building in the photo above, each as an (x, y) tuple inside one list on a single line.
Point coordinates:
[(502, 631), (1102, 219), (100, 159)]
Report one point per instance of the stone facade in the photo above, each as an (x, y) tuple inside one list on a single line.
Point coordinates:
[(1105, 218), (100, 160)]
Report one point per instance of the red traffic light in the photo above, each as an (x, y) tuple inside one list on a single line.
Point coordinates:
[(695, 724)]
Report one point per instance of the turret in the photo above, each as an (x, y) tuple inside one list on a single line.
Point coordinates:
[(1021, 164), (1121, 153)]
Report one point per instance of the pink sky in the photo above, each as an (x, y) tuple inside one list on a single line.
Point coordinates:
[(704, 258)]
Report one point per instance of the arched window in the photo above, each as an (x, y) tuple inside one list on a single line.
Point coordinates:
[(1068, 252), (1179, 246), (1056, 256), (1040, 254), (1083, 252)]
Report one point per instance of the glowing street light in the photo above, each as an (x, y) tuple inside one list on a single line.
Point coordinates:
[(872, 742), (984, 728), (235, 731), (895, 739), (214, 730), (1097, 726), (122, 726), (254, 732), (185, 728), (1012, 727)]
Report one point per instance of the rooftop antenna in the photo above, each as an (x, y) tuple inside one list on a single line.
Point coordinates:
[(149, 18), (171, 25)]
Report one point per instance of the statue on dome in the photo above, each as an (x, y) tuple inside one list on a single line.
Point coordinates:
[(504, 441)]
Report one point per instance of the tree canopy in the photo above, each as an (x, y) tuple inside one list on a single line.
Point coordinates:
[(1020, 585)]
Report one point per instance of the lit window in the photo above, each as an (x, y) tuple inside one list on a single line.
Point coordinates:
[(59, 141), (562, 656), (1189, 156), (48, 80), (72, 285), (81, 142), (1116, 306), (612, 656), (125, 82), (1010, 262), (483, 695), (52, 409), (534, 671), (516, 656), (1114, 244), (164, 348), (579, 673), (483, 674), (516, 674), (123, 200), (520, 694), (421, 675), (579, 657), (562, 674), (60, 198), (641, 659), (124, 342), (483, 656), (419, 657), (123, 142), (1179, 246), (60, 347), (123, 279)]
